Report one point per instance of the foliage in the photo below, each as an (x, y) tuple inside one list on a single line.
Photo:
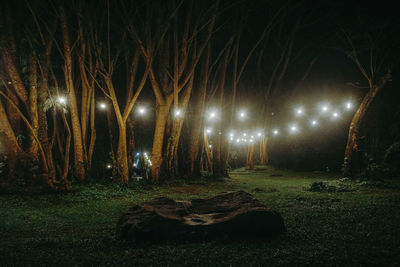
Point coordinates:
[(334, 228), (341, 185), (374, 170), (392, 159), (27, 172)]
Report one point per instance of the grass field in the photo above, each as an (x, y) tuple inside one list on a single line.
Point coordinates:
[(359, 227)]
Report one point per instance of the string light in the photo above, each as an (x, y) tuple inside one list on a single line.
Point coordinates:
[(242, 114), (213, 115), (109, 166), (314, 122), (259, 134), (102, 105), (293, 129), (61, 100), (141, 110), (208, 131), (275, 131), (348, 105), (299, 111), (178, 113)]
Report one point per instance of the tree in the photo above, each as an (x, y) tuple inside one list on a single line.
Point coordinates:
[(372, 63), (171, 57)]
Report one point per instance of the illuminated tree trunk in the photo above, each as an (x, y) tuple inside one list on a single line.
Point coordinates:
[(79, 153), (122, 156), (158, 140), (173, 141), (195, 133), (264, 159), (208, 154), (10, 142), (33, 107), (131, 141), (250, 157), (111, 141), (351, 167)]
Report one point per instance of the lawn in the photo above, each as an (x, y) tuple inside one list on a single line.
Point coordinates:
[(352, 228)]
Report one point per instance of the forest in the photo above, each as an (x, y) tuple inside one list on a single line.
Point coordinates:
[(106, 104)]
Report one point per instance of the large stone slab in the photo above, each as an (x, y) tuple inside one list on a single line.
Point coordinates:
[(236, 215)]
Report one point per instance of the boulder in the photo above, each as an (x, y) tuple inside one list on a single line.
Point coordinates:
[(236, 215)]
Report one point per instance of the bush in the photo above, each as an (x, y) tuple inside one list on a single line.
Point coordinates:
[(391, 159)]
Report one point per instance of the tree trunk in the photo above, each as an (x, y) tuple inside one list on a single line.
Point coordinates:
[(250, 157), (173, 141), (131, 141), (264, 159), (122, 156), (208, 153), (158, 140), (351, 166), (79, 153), (33, 108), (10, 142)]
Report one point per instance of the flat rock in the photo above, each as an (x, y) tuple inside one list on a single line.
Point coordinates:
[(236, 215)]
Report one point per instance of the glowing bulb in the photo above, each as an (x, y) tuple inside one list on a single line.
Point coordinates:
[(299, 111), (348, 105), (109, 166), (244, 134), (208, 131), (61, 100), (324, 108), (231, 134), (314, 122), (238, 140), (210, 146), (137, 154), (242, 114), (258, 134), (293, 129), (142, 110), (335, 115), (275, 132), (102, 105), (252, 136), (178, 113)]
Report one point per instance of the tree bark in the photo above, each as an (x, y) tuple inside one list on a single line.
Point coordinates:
[(158, 140), (351, 167), (79, 153), (250, 157), (33, 107)]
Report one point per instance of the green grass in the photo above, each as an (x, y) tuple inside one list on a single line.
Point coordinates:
[(354, 228)]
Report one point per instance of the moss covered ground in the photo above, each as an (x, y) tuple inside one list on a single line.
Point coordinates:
[(356, 227)]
